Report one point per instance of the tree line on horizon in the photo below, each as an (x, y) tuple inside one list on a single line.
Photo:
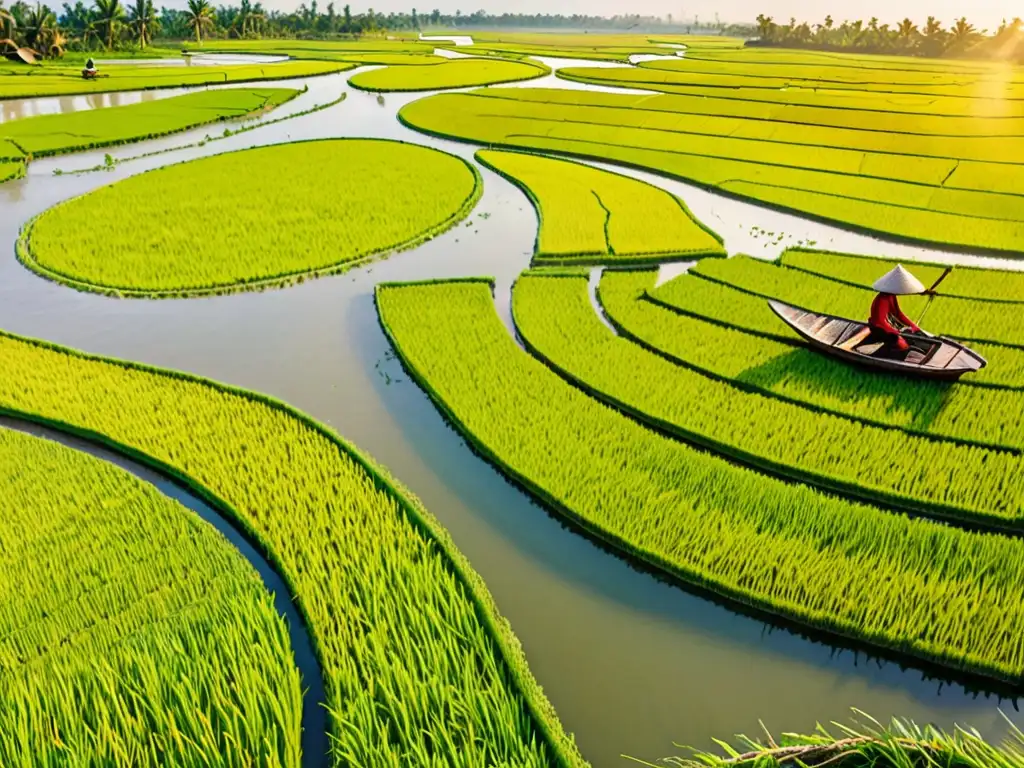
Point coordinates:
[(932, 39), (114, 25)]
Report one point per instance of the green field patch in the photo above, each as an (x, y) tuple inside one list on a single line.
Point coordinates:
[(252, 218), (895, 194), (731, 307), (456, 73), (87, 129), (68, 81), (396, 614), (782, 547), (959, 318), (589, 215), (964, 282), (9, 171), (787, 369), (129, 626), (555, 318)]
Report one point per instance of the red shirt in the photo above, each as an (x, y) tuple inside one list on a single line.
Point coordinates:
[(884, 310)]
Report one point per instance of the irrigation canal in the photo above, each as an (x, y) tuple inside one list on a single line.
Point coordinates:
[(631, 664)]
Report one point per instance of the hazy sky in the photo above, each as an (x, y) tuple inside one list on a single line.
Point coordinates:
[(982, 13)]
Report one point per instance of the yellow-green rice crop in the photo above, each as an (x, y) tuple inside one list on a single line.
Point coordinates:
[(251, 218), (911, 585), (899, 194), (314, 49), (418, 667), (734, 308), (556, 320), (588, 215), (963, 282), (67, 81), (10, 171), (969, 319), (457, 73), (791, 371), (73, 131), (131, 632)]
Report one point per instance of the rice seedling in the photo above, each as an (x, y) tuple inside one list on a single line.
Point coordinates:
[(866, 743), (921, 198), (588, 215), (396, 615), (132, 632), (252, 218), (963, 282), (88, 129), (960, 318), (65, 81), (911, 585), (977, 415), (455, 73), (734, 308), (555, 319)]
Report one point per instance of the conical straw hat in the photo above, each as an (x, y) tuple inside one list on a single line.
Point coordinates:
[(898, 281)]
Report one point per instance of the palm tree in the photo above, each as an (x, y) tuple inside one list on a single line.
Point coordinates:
[(199, 17), (37, 25), (109, 15), (962, 32), (7, 26), (906, 33), (765, 25), (934, 37), (143, 20)]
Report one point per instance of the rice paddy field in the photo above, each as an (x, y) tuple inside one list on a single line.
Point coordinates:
[(458, 73), (463, 433)]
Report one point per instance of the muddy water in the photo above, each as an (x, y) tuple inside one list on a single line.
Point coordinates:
[(631, 664)]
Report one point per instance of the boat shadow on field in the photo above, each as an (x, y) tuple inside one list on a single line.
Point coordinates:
[(810, 372)]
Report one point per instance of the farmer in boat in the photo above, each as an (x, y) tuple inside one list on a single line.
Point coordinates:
[(90, 70), (888, 322)]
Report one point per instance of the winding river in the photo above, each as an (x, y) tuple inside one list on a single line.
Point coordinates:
[(631, 664)]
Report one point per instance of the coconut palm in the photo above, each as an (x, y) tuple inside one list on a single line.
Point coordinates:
[(37, 26), (109, 15), (962, 33), (143, 21), (7, 25), (199, 17), (906, 33)]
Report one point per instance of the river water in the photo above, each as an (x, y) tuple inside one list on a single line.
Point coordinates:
[(630, 663)]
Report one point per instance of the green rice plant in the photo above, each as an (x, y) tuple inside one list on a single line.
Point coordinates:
[(396, 615), (898, 194), (9, 171), (588, 215), (734, 308), (88, 129), (914, 586), (965, 282), (68, 81), (313, 49), (866, 743), (969, 319), (978, 415), (555, 319), (252, 218), (456, 73), (131, 632)]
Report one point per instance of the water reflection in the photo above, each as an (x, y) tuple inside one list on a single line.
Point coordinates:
[(631, 663)]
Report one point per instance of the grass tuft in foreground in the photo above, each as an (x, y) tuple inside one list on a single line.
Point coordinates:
[(131, 632), (866, 743)]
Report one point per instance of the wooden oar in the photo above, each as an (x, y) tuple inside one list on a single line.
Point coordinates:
[(931, 294)]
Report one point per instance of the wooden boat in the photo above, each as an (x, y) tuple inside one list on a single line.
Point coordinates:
[(930, 357)]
